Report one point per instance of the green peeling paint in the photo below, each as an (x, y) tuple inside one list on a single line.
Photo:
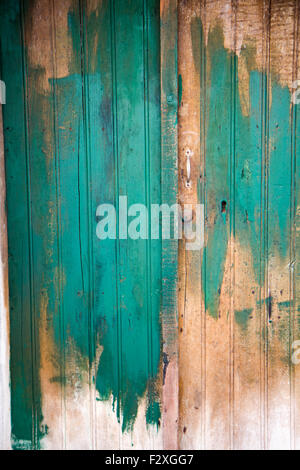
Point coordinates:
[(153, 414), (217, 167)]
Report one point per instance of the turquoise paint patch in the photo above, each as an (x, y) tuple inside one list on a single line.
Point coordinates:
[(217, 168), (230, 132), (242, 317)]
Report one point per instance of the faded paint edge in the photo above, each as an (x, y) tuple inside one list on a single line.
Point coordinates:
[(5, 425), (169, 181)]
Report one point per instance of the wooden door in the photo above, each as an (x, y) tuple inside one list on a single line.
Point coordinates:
[(106, 349)]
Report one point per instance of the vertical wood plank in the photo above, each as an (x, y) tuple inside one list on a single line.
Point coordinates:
[(5, 427), (248, 135), (279, 177), (133, 26), (73, 222), (45, 307), (16, 160), (98, 67), (217, 264), (191, 136), (295, 246), (168, 41), (124, 105)]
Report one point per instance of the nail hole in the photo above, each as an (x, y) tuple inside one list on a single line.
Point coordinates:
[(223, 206)]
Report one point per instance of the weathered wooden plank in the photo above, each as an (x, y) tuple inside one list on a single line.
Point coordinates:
[(134, 114), (279, 158), (169, 175), (73, 330), (97, 30), (5, 427), (192, 76), (126, 90), (205, 123), (247, 181), (42, 194), (295, 245), (217, 265), (16, 153)]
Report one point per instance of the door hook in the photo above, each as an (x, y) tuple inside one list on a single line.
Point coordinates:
[(188, 154)]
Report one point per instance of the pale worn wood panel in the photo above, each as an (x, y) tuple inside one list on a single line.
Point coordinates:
[(5, 427), (191, 311)]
